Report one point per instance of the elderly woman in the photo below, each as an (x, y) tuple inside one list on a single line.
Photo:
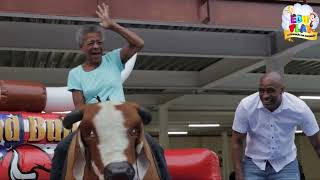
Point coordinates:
[(99, 79)]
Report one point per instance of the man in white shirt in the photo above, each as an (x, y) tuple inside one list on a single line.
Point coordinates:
[(267, 120)]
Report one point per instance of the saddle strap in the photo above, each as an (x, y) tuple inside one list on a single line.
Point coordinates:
[(153, 168)]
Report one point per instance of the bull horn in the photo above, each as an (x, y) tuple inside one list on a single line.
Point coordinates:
[(15, 172), (72, 117), (145, 115)]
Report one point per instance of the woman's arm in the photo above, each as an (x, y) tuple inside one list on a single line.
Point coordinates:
[(135, 42), (78, 98)]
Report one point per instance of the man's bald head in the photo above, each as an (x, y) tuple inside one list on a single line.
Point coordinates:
[(270, 90), (274, 78)]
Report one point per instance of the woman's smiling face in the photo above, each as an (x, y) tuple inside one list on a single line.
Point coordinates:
[(92, 47)]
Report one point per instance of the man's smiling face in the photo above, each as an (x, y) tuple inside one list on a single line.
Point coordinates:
[(270, 92)]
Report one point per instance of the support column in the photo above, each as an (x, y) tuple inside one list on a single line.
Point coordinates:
[(225, 153), (163, 121)]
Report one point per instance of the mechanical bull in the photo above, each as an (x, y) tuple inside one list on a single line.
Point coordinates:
[(110, 143)]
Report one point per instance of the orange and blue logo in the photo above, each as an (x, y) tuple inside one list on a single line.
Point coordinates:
[(299, 21)]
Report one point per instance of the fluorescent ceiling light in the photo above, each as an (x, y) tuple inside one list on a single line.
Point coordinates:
[(177, 132), (204, 125), (309, 97), (299, 131)]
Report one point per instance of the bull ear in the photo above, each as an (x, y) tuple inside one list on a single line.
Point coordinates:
[(72, 117), (145, 115)]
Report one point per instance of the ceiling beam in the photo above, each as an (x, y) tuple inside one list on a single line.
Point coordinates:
[(49, 77), (310, 53), (294, 83), (137, 79), (216, 71), (54, 37), (275, 62), (179, 81), (162, 79), (234, 74), (221, 69), (285, 51)]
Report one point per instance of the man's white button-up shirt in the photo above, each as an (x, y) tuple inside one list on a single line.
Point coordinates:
[(270, 135)]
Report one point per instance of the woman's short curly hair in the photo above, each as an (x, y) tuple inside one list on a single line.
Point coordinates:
[(85, 29)]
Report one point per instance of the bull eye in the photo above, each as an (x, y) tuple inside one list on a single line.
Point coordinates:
[(135, 132)]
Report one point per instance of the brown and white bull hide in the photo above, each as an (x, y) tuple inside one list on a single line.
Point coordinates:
[(110, 133)]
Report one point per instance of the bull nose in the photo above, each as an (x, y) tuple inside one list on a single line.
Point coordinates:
[(119, 171)]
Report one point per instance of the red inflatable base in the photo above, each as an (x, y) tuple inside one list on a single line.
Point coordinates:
[(193, 164)]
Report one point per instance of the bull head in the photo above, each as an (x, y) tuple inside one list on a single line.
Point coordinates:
[(77, 115), (110, 135)]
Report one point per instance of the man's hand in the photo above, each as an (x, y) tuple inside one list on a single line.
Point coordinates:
[(103, 13)]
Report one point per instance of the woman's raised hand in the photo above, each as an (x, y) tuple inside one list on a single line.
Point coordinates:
[(103, 13)]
